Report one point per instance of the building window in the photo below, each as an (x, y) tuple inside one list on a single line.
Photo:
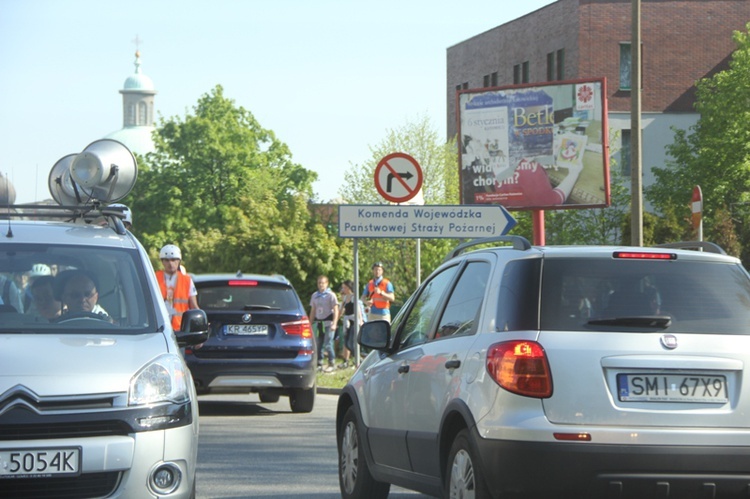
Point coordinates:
[(525, 72), (486, 81), (465, 85), (625, 66), (516, 74), (493, 79), (560, 74), (550, 66), (625, 153), (458, 88)]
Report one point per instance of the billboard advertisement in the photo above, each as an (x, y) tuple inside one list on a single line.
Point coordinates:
[(535, 147)]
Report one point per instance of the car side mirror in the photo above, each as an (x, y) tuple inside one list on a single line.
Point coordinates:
[(375, 335), (194, 328)]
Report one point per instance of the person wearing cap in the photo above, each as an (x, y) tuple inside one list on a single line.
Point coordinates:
[(177, 289), (378, 295), (37, 270)]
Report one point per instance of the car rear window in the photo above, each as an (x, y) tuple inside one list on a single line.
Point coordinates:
[(698, 297), (249, 296)]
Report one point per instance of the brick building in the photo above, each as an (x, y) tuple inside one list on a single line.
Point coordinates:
[(682, 42)]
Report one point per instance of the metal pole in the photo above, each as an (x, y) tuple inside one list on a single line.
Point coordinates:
[(419, 262), (636, 177), (356, 302)]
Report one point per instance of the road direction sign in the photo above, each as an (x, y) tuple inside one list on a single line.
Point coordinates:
[(424, 222), (398, 177)]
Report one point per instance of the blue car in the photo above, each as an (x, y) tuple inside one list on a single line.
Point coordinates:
[(260, 340)]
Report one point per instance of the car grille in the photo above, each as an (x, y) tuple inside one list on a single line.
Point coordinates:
[(63, 430), (87, 485)]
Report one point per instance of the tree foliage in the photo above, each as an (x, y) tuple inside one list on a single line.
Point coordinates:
[(227, 192), (439, 163), (714, 153)]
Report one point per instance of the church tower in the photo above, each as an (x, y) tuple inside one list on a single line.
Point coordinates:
[(137, 111)]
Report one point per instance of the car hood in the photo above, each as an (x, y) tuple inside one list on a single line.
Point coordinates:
[(56, 365)]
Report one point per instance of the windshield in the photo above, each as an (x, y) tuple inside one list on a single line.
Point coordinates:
[(58, 288)]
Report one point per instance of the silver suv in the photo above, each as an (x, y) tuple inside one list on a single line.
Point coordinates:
[(95, 397), (557, 372)]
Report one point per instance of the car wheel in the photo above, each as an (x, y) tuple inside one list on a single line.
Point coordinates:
[(355, 480), (464, 477), (268, 397), (302, 400)]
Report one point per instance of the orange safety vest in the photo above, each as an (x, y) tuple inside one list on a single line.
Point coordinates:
[(377, 300), (180, 297)]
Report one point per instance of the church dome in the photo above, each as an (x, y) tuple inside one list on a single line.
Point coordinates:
[(138, 81)]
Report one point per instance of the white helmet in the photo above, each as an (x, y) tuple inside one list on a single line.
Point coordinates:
[(127, 215), (40, 269), (170, 251)]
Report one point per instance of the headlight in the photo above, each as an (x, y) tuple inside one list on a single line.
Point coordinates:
[(165, 379)]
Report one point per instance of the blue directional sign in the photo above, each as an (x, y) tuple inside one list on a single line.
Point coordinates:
[(424, 222)]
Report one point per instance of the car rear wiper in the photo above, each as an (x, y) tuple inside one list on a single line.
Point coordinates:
[(259, 307), (657, 321)]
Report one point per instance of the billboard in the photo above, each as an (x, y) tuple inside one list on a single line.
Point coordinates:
[(540, 146)]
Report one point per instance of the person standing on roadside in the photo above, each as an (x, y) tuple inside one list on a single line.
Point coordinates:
[(177, 289), (348, 311), (324, 315), (378, 295)]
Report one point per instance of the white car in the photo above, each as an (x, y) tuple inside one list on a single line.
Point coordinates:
[(95, 397), (554, 372)]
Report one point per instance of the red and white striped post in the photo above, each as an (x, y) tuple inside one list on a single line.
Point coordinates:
[(697, 207)]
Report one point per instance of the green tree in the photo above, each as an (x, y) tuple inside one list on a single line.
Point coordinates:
[(439, 163), (227, 192), (714, 153)]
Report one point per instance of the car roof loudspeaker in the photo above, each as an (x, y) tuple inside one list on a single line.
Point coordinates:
[(107, 169), (61, 185)]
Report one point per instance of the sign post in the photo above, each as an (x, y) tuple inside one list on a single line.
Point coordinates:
[(697, 208)]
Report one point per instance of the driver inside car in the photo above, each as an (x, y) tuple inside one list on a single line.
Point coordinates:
[(77, 290)]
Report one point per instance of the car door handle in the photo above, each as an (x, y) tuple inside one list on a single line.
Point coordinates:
[(403, 369), (453, 364)]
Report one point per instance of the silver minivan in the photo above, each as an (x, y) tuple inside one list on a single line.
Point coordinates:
[(95, 397)]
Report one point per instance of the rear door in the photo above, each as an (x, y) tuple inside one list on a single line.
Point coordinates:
[(435, 374)]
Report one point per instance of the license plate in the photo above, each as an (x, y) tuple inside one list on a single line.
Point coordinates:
[(247, 329), (25, 463), (698, 388)]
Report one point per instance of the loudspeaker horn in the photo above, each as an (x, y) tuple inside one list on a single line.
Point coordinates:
[(61, 185), (106, 169)]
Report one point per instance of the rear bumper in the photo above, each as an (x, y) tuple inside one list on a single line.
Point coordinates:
[(586, 470), (218, 377)]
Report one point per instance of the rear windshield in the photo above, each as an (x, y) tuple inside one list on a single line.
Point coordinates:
[(249, 296), (696, 297), (59, 288)]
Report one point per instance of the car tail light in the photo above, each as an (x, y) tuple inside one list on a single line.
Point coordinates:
[(300, 327), (520, 367)]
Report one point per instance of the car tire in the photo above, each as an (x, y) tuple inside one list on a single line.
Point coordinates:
[(302, 399), (464, 477), (268, 397), (355, 480)]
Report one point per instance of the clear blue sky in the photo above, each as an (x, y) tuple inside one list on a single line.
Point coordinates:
[(329, 77)]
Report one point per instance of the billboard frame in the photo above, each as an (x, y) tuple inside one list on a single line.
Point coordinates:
[(542, 146)]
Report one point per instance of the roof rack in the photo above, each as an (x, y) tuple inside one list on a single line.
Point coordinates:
[(519, 243), (695, 245), (86, 213)]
